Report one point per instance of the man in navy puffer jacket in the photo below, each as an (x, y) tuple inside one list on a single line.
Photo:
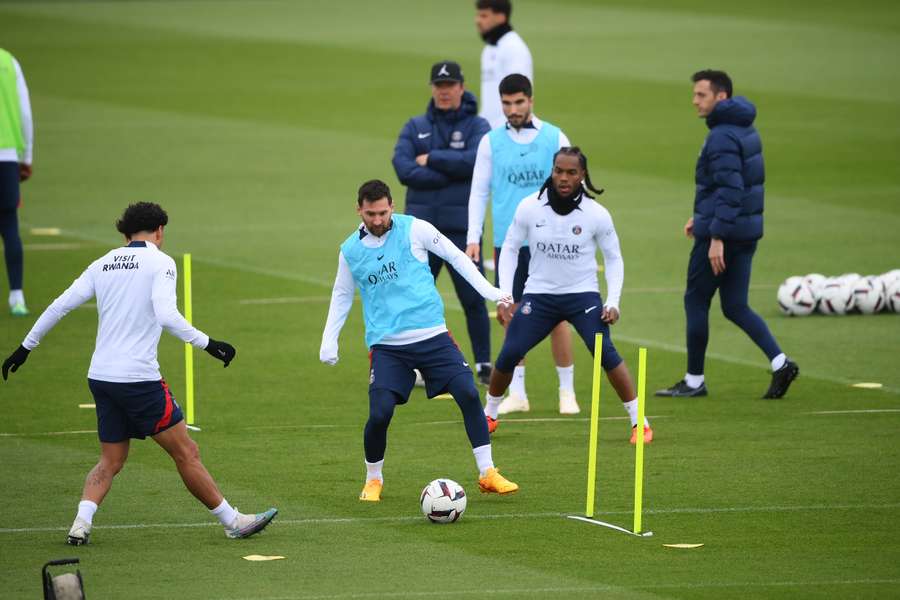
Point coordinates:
[(434, 158), (727, 223)]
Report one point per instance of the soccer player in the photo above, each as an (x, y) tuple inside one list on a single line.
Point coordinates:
[(16, 145), (564, 227), (504, 53), (726, 227), (135, 290), (387, 259), (512, 162)]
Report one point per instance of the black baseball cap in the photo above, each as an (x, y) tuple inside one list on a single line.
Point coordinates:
[(446, 70)]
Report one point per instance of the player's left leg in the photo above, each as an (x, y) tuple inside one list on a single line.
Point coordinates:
[(588, 322), (9, 230), (733, 292)]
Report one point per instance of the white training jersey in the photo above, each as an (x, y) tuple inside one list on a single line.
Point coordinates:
[(135, 287), (509, 56), (563, 249), (11, 154)]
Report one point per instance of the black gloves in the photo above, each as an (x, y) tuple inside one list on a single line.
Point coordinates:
[(18, 358), (220, 350)]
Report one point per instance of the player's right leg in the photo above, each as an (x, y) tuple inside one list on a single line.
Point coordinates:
[(9, 230), (96, 486)]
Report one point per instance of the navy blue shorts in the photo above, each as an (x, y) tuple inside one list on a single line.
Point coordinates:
[(133, 410), (538, 314), (521, 271), (438, 358)]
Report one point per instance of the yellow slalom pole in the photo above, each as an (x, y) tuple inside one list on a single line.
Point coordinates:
[(595, 421), (639, 446), (188, 349)]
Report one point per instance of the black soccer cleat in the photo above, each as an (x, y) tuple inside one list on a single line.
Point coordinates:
[(484, 375), (683, 390), (781, 380)]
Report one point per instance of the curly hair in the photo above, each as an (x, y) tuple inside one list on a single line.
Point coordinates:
[(141, 216)]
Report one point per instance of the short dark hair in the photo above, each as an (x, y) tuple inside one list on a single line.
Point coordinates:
[(373, 190), (497, 6), (719, 81), (515, 83), (142, 216)]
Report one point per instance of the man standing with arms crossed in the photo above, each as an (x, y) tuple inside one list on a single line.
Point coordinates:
[(434, 158), (512, 162), (16, 144), (726, 226), (504, 53), (136, 299)]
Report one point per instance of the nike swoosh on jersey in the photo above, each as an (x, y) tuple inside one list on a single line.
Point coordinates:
[(587, 310), (422, 136)]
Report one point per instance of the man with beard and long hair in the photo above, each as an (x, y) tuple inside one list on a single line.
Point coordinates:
[(564, 227)]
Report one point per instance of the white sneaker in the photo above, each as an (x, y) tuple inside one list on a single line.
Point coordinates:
[(513, 403), (80, 533), (567, 403), (246, 525), (420, 381)]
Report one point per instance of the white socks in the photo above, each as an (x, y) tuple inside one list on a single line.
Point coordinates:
[(86, 510), (373, 470), (483, 459), (632, 409), (16, 297), (566, 378), (225, 513), (779, 361), (693, 381), (492, 403), (517, 385)]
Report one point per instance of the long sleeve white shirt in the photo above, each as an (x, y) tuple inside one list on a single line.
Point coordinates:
[(480, 192), (563, 249), (11, 154), (136, 296), (424, 238), (510, 55)]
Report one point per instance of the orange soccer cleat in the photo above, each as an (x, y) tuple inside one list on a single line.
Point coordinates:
[(495, 483), (648, 435), (372, 491)]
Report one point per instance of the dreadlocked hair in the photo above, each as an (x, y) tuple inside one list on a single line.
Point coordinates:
[(582, 160)]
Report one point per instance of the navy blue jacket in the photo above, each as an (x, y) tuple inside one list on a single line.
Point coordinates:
[(439, 192), (730, 175)]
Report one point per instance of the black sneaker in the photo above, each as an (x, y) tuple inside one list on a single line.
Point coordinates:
[(484, 375), (683, 390), (781, 379)]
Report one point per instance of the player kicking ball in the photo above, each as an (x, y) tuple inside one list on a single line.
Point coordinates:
[(135, 287), (386, 258), (564, 227)]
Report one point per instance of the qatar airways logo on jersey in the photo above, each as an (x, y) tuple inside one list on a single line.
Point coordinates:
[(558, 250), (525, 176), (387, 272), (124, 262)]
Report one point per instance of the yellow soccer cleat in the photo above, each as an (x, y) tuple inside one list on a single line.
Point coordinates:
[(648, 435), (372, 491), (495, 483)]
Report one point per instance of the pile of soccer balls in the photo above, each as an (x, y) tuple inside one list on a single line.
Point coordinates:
[(851, 292)]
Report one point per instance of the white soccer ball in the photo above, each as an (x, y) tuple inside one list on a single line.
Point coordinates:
[(889, 277), (892, 296), (815, 281), (850, 278), (837, 297), (795, 297), (868, 295), (443, 501)]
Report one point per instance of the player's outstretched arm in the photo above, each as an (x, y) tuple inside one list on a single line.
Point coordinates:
[(341, 302), (165, 307)]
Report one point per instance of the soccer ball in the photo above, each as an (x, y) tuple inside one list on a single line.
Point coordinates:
[(443, 501), (892, 296), (868, 295), (816, 281), (889, 277), (850, 278), (837, 297), (795, 297)]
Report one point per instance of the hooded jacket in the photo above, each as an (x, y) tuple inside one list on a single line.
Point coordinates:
[(439, 191), (730, 175)]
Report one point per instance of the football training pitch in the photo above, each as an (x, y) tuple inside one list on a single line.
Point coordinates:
[(253, 123)]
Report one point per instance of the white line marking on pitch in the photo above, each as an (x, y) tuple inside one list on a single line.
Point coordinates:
[(286, 300), (476, 517), (854, 412), (49, 433)]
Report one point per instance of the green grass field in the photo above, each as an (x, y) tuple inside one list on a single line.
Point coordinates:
[(253, 123)]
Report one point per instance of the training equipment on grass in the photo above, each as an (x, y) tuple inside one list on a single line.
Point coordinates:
[(892, 296), (68, 586), (868, 295), (443, 501), (188, 349), (816, 282), (837, 297), (796, 297), (638, 447)]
